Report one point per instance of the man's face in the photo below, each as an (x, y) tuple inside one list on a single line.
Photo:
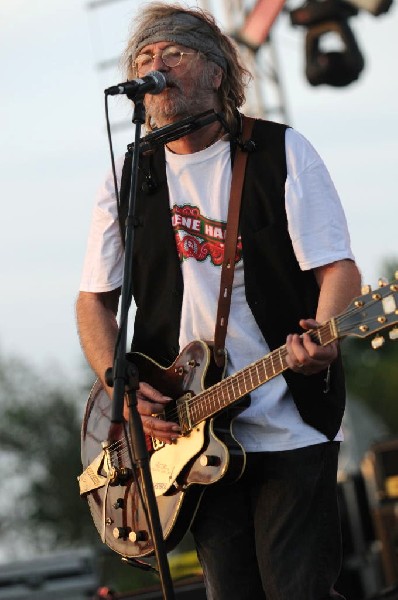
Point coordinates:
[(191, 85)]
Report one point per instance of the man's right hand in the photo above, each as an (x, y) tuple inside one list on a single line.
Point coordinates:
[(150, 403)]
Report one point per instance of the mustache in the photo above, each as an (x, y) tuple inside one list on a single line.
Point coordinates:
[(204, 82), (170, 82)]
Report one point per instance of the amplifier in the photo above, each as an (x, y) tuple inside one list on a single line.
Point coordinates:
[(380, 471)]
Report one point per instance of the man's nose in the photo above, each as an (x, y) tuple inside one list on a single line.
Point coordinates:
[(158, 64)]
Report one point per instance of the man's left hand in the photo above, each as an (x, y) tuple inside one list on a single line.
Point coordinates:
[(306, 356)]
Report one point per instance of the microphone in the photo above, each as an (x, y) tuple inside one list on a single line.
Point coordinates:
[(153, 83)]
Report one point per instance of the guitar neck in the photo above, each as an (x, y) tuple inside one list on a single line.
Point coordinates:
[(233, 388)]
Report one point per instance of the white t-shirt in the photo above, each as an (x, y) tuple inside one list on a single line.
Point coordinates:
[(199, 186)]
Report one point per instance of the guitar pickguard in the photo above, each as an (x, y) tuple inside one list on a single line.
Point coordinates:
[(167, 463)]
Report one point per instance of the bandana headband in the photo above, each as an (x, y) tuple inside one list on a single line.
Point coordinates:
[(184, 29)]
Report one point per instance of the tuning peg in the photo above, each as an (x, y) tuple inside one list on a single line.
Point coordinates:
[(393, 334), (377, 342), (383, 282), (366, 289)]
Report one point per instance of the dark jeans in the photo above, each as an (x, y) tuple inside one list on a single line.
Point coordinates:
[(275, 534)]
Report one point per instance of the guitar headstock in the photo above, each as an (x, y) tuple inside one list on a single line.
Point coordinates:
[(372, 312)]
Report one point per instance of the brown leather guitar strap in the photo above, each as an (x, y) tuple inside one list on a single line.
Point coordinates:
[(231, 238)]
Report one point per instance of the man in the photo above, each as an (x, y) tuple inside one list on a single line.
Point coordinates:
[(274, 534)]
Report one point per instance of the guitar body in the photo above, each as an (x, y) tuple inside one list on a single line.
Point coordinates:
[(206, 454)]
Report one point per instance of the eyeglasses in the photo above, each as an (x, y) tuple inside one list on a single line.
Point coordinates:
[(170, 56)]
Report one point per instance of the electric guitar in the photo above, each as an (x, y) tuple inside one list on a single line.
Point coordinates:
[(204, 405)]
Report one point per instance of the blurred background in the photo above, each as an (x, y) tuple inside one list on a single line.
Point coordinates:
[(326, 67)]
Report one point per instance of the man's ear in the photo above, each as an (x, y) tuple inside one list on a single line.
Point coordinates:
[(217, 77)]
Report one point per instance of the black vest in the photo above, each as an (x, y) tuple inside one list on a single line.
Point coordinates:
[(277, 291)]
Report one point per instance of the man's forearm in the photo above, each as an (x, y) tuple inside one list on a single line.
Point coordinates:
[(98, 328), (339, 283)]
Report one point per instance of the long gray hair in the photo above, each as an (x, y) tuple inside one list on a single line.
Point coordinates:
[(235, 77)]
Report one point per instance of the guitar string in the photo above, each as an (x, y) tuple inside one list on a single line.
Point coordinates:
[(120, 447), (216, 394), (241, 378), (245, 377), (255, 371), (246, 374)]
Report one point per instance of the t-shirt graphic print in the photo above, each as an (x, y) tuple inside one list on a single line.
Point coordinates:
[(200, 237)]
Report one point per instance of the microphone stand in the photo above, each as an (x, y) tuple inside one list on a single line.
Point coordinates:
[(125, 375), (169, 133)]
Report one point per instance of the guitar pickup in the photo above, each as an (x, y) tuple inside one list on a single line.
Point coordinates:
[(184, 416)]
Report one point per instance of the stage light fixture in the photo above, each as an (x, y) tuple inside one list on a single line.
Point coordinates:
[(319, 11), (375, 7), (335, 68)]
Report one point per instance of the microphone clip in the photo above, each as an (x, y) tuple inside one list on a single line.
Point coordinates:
[(149, 185), (248, 146)]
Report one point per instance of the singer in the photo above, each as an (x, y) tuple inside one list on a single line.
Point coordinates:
[(274, 533)]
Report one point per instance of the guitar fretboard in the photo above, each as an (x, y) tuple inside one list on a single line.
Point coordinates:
[(233, 388)]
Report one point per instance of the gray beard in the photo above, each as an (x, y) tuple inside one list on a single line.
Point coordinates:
[(162, 110)]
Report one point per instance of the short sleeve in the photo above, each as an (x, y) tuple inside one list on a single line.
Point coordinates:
[(316, 220), (104, 259)]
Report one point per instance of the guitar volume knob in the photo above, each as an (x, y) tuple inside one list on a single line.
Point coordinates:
[(121, 533), (138, 536), (209, 460)]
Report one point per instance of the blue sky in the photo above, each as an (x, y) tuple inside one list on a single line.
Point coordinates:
[(54, 153)]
